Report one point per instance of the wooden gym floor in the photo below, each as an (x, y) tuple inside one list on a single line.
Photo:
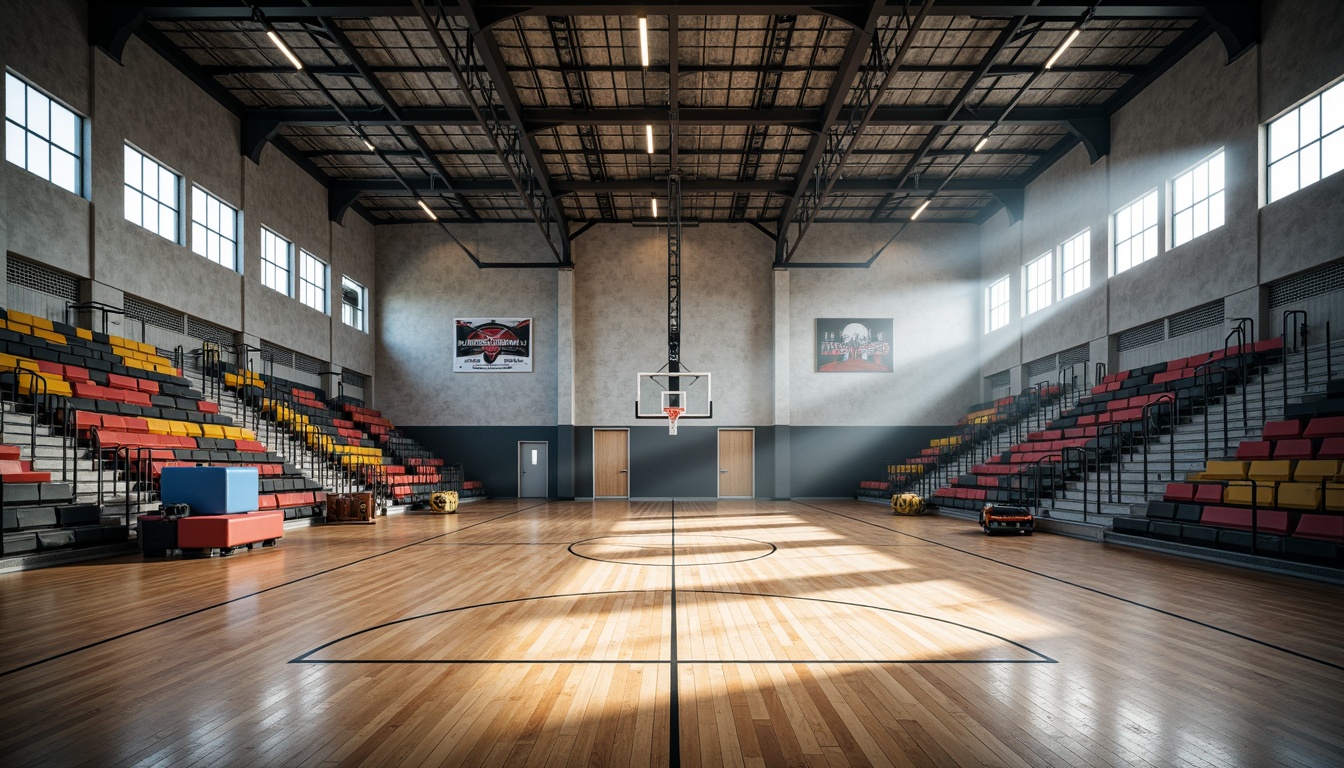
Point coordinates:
[(772, 633)]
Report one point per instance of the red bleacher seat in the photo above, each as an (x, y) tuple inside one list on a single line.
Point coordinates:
[(14, 471), (1282, 430), (1293, 449), (1268, 520), (1253, 450), (1325, 426), (1208, 493), (1179, 492), (1331, 448), (1326, 527)]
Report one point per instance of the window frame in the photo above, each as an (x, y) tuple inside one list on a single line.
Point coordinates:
[(287, 268), (30, 133), (1137, 237), (1045, 287), (1174, 213), (303, 283), (1001, 309), (235, 239), (1303, 151), (143, 195), (362, 310), (1084, 267)]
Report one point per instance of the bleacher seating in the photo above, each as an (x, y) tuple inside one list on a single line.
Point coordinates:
[(40, 515), (1295, 506), (1106, 420)]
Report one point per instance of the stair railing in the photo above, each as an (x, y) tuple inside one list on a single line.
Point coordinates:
[(1064, 454), (1291, 330), (37, 393), (1113, 431), (1171, 400)]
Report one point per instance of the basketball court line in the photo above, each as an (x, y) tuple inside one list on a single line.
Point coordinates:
[(189, 614), (1094, 590)]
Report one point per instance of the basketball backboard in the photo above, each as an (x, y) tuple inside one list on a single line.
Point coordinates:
[(688, 390)]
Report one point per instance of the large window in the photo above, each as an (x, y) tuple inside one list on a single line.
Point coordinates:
[(1135, 232), (312, 281), (1307, 144), (996, 305), (42, 136), (277, 254), (152, 196), (1075, 264), (1039, 281), (1197, 201), (354, 301), (214, 228)]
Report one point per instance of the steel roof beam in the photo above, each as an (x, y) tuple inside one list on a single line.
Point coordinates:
[(1001, 70), (848, 10), (851, 186)]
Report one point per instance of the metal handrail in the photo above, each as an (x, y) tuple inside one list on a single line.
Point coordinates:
[(37, 394), (1082, 470), (1113, 430), (1298, 333), (1174, 399)]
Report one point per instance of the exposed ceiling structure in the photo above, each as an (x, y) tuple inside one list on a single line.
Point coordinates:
[(773, 114)]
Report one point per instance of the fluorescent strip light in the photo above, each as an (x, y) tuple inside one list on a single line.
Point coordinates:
[(654, 202), (284, 49), (369, 144), (915, 215), (982, 144), (648, 133), (644, 41), (1062, 48), (426, 207)]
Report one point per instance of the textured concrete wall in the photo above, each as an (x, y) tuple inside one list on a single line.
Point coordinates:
[(1203, 103), (927, 280), (620, 319), (425, 281), (145, 101)]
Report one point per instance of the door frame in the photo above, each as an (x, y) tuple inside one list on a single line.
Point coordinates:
[(718, 462), (628, 484), (546, 467)]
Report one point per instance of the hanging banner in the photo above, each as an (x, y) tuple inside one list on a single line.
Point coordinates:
[(493, 345)]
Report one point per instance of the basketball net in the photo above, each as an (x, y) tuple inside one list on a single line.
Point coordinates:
[(672, 414)]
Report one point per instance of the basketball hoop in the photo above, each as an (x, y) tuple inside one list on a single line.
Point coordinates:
[(672, 415)]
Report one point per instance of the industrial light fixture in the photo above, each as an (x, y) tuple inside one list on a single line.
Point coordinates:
[(648, 134), (982, 144), (644, 41), (275, 38), (920, 210), (1064, 46), (426, 207), (369, 144), (654, 202)]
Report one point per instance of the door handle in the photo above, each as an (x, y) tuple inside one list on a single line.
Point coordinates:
[(723, 471), (624, 470)]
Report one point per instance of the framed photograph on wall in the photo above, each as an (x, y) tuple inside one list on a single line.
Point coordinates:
[(493, 345), (854, 345)]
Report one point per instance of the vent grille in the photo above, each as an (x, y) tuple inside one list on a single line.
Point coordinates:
[(200, 329), (1197, 319), (154, 314), (1042, 366), (1141, 336), (1313, 282), (307, 364), (999, 380), (352, 379), (1079, 354), (50, 282), (277, 355)]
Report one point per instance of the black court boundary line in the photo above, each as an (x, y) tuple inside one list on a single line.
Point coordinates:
[(189, 614), (1094, 590), (1041, 658), (673, 550)]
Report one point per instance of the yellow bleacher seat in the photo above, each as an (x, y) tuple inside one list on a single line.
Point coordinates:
[(1225, 470), (23, 328), (158, 426), (1270, 471), (213, 431), (1299, 495), (1240, 495), (84, 333), (1334, 497), (1316, 470)]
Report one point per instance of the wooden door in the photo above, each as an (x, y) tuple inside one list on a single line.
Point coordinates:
[(737, 464), (611, 463)]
